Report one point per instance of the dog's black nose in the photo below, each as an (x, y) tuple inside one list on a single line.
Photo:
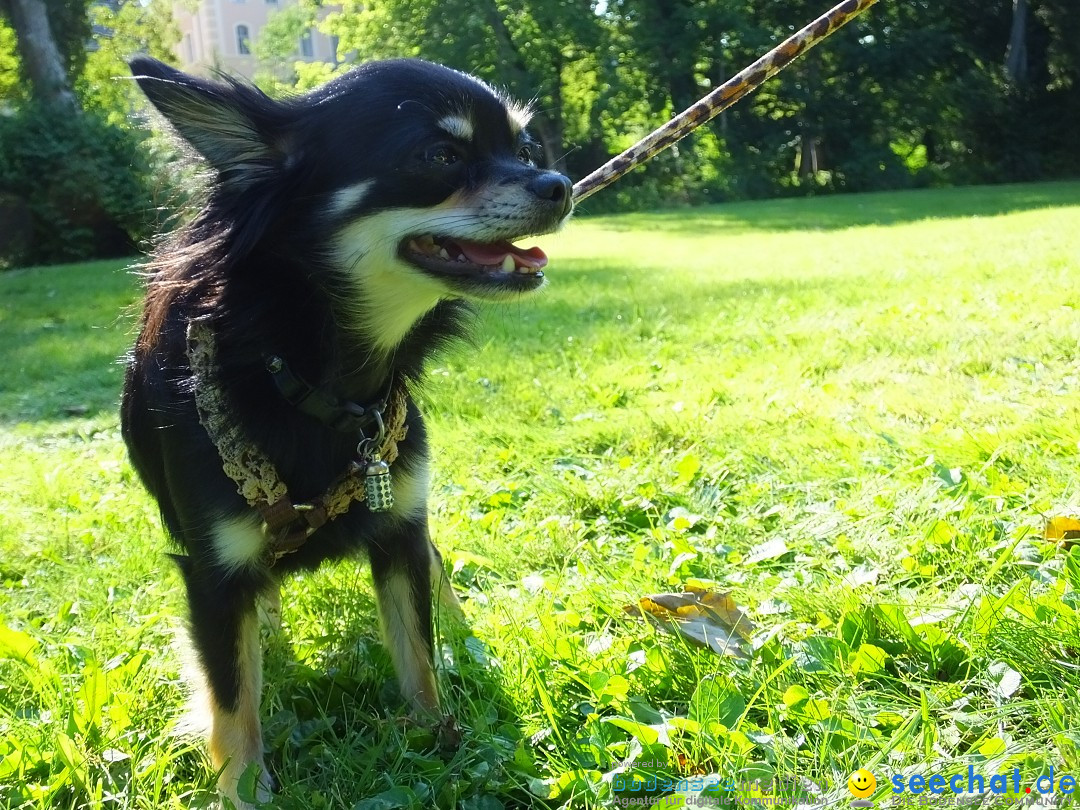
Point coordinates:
[(554, 188)]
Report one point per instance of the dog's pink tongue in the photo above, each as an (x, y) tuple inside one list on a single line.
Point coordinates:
[(494, 252)]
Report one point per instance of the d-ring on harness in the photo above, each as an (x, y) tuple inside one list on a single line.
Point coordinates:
[(288, 525)]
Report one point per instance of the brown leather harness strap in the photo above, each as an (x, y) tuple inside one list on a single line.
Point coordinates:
[(287, 528)]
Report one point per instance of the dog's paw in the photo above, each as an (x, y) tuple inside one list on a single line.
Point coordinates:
[(426, 730), (448, 734)]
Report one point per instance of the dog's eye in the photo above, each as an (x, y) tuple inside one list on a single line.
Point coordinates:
[(442, 155), (525, 155)]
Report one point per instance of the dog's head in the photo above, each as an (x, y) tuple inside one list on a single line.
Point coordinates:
[(412, 178)]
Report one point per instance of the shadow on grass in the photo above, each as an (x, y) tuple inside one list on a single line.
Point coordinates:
[(83, 385), (63, 331), (847, 211), (341, 726)]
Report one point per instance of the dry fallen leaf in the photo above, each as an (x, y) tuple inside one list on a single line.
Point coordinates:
[(1062, 527), (709, 618)]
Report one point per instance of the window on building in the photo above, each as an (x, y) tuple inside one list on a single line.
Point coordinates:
[(189, 48), (243, 40), (335, 40), (307, 46)]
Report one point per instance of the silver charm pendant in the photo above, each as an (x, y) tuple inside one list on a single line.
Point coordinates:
[(378, 488)]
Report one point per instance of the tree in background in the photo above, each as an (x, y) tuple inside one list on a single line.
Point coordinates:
[(280, 71), (74, 178), (912, 93), (123, 28), (533, 49), (51, 36)]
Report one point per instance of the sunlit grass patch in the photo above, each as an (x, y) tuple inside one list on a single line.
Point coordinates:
[(853, 414)]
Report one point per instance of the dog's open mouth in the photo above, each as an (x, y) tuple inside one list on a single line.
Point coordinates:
[(478, 260)]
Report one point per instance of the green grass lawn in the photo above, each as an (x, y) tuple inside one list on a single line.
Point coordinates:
[(854, 414)]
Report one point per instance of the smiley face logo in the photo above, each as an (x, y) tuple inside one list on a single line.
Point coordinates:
[(862, 784)]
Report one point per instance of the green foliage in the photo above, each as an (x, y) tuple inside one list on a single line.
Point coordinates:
[(75, 185), (69, 23), (852, 413), (10, 88), (276, 50), (531, 49), (909, 94), (122, 30)]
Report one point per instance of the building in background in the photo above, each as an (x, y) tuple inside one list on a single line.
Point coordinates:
[(219, 34)]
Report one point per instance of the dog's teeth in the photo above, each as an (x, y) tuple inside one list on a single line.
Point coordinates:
[(413, 246), (508, 264), (461, 258), (444, 253)]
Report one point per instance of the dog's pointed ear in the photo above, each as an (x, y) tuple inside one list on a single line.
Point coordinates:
[(240, 131)]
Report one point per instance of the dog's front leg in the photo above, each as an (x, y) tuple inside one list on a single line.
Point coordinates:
[(225, 631), (401, 565)]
